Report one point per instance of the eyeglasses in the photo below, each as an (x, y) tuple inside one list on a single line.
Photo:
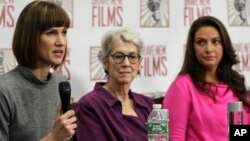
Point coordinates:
[(119, 58)]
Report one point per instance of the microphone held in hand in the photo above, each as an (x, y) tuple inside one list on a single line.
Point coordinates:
[(65, 94)]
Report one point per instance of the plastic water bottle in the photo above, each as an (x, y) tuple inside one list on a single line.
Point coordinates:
[(157, 124), (235, 115)]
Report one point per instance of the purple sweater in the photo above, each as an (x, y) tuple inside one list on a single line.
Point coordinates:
[(100, 118), (194, 116)]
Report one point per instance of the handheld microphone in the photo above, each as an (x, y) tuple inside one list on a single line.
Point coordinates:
[(65, 94)]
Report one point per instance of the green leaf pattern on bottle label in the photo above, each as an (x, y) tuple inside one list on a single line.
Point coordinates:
[(158, 128)]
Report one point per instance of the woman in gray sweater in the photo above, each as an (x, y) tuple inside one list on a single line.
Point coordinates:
[(29, 99)]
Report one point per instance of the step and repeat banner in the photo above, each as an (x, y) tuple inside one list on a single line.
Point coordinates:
[(163, 24)]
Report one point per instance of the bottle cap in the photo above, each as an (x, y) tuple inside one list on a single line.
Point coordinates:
[(157, 106), (234, 106)]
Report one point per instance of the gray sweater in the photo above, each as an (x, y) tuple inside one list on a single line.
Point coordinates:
[(27, 105)]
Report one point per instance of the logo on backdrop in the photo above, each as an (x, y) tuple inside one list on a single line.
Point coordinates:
[(154, 13), (238, 12), (107, 13), (7, 60), (96, 68), (194, 9), (67, 5), (7, 13), (243, 54), (154, 62), (63, 69)]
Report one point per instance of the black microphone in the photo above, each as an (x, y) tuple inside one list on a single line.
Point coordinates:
[(65, 93)]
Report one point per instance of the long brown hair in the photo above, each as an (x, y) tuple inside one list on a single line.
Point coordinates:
[(225, 72)]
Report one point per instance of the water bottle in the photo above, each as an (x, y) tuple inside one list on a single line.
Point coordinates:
[(157, 124), (235, 116)]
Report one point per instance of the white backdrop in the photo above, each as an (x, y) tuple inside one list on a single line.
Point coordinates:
[(164, 31)]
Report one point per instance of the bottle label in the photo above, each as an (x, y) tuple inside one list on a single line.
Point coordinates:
[(235, 118), (158, 128)]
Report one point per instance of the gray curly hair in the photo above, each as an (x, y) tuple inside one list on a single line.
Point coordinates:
[(125, 34)]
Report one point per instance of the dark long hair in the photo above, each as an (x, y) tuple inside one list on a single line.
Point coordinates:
[(225, 72)]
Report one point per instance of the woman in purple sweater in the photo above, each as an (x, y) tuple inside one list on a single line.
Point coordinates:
[(112, 111), (197, 99)]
